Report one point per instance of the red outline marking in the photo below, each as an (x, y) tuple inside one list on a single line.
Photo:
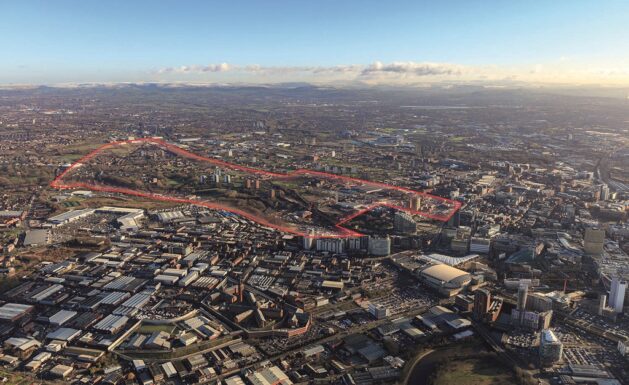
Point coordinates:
[(344, 232)]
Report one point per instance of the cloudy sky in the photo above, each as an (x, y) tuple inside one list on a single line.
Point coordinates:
[(323, 41)]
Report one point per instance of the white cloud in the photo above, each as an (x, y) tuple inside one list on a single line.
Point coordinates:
[(414, 69), (222, 67), (338, 69), (408, 72), (402, 68)]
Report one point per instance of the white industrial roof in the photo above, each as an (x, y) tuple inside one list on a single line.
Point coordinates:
[(448, 260), (111, 322), (63, 334), (61, 317), (9, 311)]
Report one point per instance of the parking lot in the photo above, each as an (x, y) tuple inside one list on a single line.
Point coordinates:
[(400, 301)]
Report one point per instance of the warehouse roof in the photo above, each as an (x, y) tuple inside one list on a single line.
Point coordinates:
[(63, 334), (448, 260), (36, 237), (70, 215), (111, 323), (10, 213), (61, 317), (332, 284), (10, 311)]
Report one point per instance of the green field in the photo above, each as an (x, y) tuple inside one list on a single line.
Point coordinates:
[(76, 151), (473, 371), (14, 378), (148, 328)]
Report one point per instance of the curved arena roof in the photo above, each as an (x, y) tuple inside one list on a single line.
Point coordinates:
[(444, 273)]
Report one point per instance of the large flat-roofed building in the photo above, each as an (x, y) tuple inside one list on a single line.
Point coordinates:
[(447, 280), (12, 312), (269, 376), (70, 216), (111, 324), (37, 237), (449, 260)]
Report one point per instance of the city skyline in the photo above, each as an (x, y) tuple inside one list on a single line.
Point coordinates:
[(409, 43)]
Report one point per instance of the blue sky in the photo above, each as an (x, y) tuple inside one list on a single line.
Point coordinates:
[(265, 41)]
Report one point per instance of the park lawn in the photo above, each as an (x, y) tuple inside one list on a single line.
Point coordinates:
[(474, 372), (14, 378), (132, 202), (76, 151), (148, 328)]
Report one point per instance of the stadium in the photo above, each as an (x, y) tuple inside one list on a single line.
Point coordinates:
[(447, 280)]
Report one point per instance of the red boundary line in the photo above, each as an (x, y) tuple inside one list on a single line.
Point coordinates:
[(344, 232)]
